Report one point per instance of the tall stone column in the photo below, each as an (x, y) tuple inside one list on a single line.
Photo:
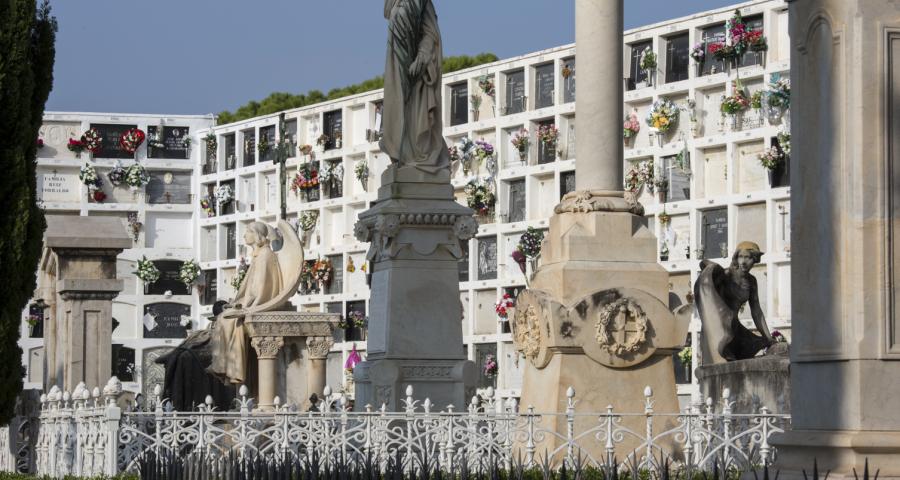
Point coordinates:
[(317, 354), (845, 197), (596, 312), (267, 349)]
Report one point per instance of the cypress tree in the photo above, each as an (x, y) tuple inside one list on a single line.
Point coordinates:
[(27, 51)]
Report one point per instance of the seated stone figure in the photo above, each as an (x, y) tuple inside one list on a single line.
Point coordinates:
[(720, 294)]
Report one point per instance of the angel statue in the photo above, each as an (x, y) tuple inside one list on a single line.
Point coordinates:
[(720, 295), (220, 351), (412, 87)]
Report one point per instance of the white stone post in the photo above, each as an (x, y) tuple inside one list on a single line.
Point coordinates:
[(267, 349)]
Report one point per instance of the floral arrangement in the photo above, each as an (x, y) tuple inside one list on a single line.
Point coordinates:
[(307, 220), (779, 93), (756, 100), (189, 272), (462, 152), (240, 274), (756, 41), (354, 319), (89, 177), (480, 197), (322, 140), (639, 175), (132, 139), (567, 71), (33, 320), (698, 53), (212, 145), (548, 135), (736, 103), (475, 101), (648, 59), (778, 336), (686, 355), (504, 305), (186, 140), (631, 125), (322, 271), (486, 84), (771, 158), (721, 51), (39, 143), (784, 141), (186, 322), (453, 153), (224, 194), (332, 172), (207, 206), (530, 242), (156, 138), (520, 141), (490, 366), (483, 150), (306, 149), (361, 171), (307, 178), (136, 176), (117, 175), (146, 271), (263, 146), (663, 115), (92, 140), (76, 146)]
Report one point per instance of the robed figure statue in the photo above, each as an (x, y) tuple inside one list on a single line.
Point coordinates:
[(721, 294), (413, 126)]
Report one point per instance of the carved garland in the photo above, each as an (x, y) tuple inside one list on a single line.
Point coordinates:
[(527, 331), (606, 327)]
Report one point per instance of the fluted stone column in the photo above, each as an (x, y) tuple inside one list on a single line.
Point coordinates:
[(317, 354), (267, 349)]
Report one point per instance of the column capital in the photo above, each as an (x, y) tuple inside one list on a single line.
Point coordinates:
[(267, 347), (319, 347)]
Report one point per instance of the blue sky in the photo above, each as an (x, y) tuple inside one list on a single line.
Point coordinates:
[(204, 56)]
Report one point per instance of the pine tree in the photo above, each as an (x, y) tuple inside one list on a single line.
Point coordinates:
[(27, 51)]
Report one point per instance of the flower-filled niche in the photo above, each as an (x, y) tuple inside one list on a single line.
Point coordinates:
[(189, 273), (136, 176), (361, 171), (332, 177), (631, 126), (88, 176), (491, 369), (224, 194), (132, 139), (322, 272), (520, 142), (504, 305), (486, 84), (663, 115), (306, 178), (639, 175), (92, 140), (206, 204), (117, 175), (146, 271), (529, 249), (480, 197), (548, 135), (240, 274), (354, 319)]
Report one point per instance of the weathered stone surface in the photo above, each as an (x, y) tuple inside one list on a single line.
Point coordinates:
[(753, 383)]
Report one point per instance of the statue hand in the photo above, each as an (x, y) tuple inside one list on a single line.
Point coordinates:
[(417, 67)]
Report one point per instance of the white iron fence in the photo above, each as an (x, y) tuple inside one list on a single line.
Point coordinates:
[(87, 434)]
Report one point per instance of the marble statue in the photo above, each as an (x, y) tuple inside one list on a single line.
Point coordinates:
[(720, 294), (412, 87)]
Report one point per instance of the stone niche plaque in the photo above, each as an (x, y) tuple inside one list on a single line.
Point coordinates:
[(173, 141), (487, 258), (517, 201), (168, 279), (56, 137), (123, 362), (111, 134), (152, 373), (714, 233), (58, 186), (165, 318), (169, 187)]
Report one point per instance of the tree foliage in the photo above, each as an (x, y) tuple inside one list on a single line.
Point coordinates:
[(27, 52), (280, 101)]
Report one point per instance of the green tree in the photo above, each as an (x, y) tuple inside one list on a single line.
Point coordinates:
[(280, 101), (27, 52)]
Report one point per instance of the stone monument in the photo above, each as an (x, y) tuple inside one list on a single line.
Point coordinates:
[(728, 350), (845, 196), (596, 313), (78, 282), (415, 229)]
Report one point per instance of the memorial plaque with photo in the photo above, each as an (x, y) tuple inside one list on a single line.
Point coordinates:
[(169, 187), (173, 140), (164, 320), (59, 187), (487, 258), (482, 351), (515, 92), (714, 233), (168, 279), (111, 134), (543, 79), (566, 183), (333, 126), (123, 362), (517, 201), (679, 180)]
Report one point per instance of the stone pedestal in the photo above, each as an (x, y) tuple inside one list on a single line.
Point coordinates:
[(415, 333), (845, 197), (753, 383), (78, 282), (291, 348)]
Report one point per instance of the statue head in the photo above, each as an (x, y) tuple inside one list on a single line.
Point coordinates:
[(258, 234), (746, 256)]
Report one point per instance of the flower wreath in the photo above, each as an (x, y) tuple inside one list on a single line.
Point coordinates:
[(132, 139)]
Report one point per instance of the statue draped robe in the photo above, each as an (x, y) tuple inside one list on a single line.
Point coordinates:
[(229, 340), (413, 126)]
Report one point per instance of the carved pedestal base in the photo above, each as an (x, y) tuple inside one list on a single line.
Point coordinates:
[(384, 382)]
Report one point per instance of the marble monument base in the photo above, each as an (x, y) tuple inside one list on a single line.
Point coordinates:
[(384, 382), (838, 452), (753, 383)]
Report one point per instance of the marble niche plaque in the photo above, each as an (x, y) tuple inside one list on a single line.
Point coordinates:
[(169, 187), (487, 258), (174, 147), (152, 373), (56, 186), (714, 233), (163, 320), (123, 362), (111, 134), (56, 137)]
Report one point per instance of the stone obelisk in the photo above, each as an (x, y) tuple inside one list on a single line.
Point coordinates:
[(845, 196), (415, 230), (596, 316)]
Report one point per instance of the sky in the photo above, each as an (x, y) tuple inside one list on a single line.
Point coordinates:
[(205, 56)]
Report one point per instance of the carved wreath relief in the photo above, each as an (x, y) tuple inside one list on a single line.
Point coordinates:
[(527, 331), (622, 327)]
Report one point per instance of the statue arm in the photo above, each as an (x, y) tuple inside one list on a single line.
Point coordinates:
[(426, 50), (756, 311)]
